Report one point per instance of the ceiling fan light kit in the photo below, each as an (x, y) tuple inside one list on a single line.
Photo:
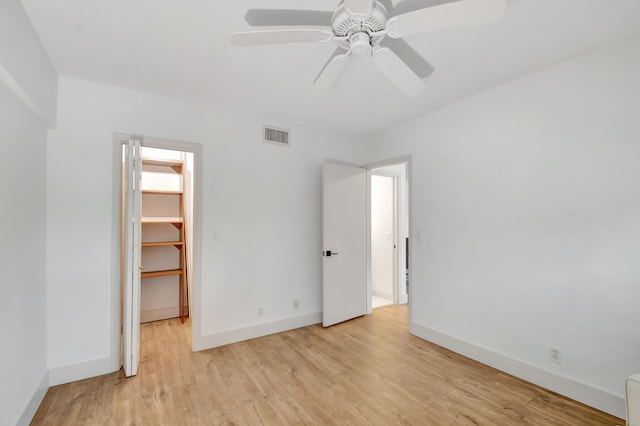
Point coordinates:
[(360, 43), (368, 27)]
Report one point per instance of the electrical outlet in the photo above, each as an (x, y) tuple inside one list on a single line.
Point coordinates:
[(260, 311), (296, 303), (555, 355)]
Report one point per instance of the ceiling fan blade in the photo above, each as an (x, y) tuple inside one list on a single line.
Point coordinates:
[(253, 38), (331, 70), (409, 56), (388, 4), (406, 6), (284, 17), (446, 16), (397, 71), (359, 7)]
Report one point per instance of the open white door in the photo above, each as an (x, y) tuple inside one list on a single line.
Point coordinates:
[(344, 240), (132, 234)]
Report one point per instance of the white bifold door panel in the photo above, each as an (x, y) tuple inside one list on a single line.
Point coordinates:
[(132, 260), (344, 243)]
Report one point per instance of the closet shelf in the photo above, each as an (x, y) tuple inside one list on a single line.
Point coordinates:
[(160, 162), (162, 219), (161, 273), (161, 191), (162, 243)]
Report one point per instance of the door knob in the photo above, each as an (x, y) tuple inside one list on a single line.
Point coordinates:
[(330, 253)]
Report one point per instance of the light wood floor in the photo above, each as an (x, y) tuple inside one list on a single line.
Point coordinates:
[(366, 371)]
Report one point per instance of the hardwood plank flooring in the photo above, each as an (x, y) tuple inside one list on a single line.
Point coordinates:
[(366, 371)]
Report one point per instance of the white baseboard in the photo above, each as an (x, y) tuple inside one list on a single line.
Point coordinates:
[(386, 296), (586, 394), (239, 334), (159, 314), (97, 367), (35, 401), (81, 370)]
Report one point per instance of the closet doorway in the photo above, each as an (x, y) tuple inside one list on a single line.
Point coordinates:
[(158, 218)]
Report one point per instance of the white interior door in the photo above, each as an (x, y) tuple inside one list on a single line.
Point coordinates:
[(344, 240), (132, 249)]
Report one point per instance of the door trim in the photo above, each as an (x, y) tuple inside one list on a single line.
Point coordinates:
[(116, 324)]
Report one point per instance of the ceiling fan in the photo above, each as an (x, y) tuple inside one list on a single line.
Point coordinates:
[(371, 27)]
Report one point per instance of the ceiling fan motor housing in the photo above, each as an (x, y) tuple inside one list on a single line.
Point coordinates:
[(359, 33)]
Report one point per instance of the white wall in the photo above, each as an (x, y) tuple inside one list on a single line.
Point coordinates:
[(28, 86), (527, 198), (262, 200), (25, 67), (23, 339)]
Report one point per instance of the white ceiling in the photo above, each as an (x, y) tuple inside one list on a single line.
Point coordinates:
[(181, 48)]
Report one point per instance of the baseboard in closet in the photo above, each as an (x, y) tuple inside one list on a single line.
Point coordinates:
[(159, 314)]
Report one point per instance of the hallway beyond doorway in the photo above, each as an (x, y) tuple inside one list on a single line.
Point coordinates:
[(378, 302)]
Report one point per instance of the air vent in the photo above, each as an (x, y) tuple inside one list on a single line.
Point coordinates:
[(275, 135)]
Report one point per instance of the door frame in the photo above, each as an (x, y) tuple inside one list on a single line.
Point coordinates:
[(116, 226), (407, 160)]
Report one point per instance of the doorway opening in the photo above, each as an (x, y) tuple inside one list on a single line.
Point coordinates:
[(167, 234), (159, 245), (388, 234), (347, 265)]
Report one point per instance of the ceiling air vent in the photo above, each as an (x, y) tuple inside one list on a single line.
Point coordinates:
[(275, 135)]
